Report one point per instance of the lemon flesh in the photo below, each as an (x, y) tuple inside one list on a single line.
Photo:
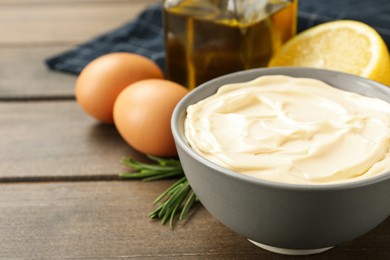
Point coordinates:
[(346, 46)]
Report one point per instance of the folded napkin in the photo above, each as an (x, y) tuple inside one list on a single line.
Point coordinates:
[(144, 35), (375, 13)]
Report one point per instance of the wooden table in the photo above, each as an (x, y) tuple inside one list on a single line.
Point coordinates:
[(60, 196)]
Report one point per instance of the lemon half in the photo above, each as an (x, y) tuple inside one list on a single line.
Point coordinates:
[(344, 45)]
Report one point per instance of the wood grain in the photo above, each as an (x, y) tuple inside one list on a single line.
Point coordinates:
[(56, 138), (48, 145), (108, 220), (24, 75), (34, 30), (102, 220), (62, 21)]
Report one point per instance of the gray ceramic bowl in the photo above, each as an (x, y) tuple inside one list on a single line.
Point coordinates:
[(280, 217)]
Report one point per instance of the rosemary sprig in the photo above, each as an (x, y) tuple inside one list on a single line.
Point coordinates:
[(164, 168), (178, 199)]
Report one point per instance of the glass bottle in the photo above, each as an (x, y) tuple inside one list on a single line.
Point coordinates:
[(209, 38)]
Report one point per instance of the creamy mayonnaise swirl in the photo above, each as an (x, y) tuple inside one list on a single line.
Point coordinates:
[(292, 130)]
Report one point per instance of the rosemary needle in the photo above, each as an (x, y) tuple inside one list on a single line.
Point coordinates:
[(178, 199)]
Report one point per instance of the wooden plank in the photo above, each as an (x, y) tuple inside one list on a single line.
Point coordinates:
[(35, 30), (102, 220), (56, 138), (59, 2), (24, 74), (63, 22), (105, 220)]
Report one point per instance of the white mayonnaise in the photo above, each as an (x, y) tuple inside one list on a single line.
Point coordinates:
[(292, 130)]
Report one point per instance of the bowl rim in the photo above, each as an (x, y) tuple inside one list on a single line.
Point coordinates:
[(180, 141)]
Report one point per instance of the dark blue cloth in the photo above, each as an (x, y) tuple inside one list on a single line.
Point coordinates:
[(144, 35), (375, 13)]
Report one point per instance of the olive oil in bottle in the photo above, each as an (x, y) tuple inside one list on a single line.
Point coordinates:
[(208, 38)]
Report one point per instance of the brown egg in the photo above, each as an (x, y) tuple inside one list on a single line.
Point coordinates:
[(101, 81), (142, 115)]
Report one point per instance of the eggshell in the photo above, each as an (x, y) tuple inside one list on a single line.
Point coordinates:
[(142, 115), (101, 81)]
